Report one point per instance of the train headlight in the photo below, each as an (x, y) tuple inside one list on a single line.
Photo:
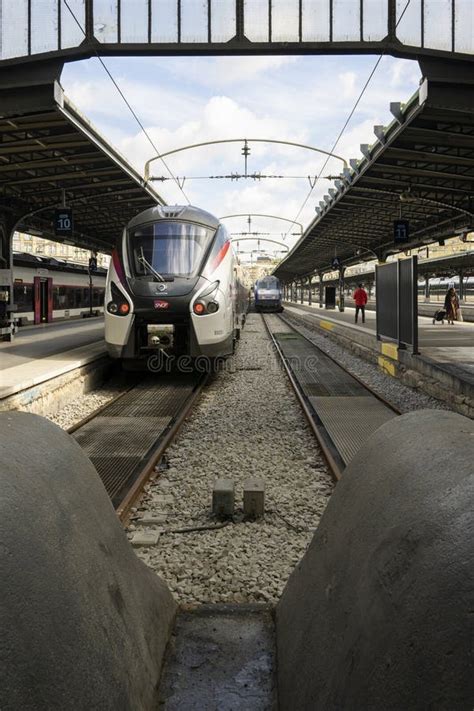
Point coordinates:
[(119, 306), (206, 303), (212, 307), (199, 308)]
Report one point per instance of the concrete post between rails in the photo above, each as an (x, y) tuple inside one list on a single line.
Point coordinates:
[(84, 622), (379, 613)]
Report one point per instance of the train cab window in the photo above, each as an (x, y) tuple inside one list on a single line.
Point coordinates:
[(169, 248), (218, 251), (268, 283)]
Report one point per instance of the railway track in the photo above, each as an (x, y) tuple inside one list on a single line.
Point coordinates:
[(341, 410), (126, 437)]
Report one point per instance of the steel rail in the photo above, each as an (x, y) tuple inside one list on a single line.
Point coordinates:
[(323, 438), (155, 452), (335, 466), (361, 382), (154, 455), (95, 413)]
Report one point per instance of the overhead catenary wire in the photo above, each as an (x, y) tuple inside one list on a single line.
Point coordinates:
[(346, 123), (127, 103)]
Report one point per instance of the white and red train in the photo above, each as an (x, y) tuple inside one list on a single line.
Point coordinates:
[(46, 289), (174, 285)]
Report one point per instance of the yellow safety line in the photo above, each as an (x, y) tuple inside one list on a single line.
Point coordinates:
[(390, 350), (387, 366)]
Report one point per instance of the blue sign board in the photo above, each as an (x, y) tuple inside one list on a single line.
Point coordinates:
[(401, 231), (63, 222)]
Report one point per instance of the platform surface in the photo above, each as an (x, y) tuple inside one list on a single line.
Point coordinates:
[(47, 351), (221, 658)]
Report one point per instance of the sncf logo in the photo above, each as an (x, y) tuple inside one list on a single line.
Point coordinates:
[(159, 304)]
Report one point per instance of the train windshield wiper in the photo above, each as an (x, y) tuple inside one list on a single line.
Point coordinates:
[(147, 265)]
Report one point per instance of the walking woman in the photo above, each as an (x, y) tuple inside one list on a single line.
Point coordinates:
[(451, 304)]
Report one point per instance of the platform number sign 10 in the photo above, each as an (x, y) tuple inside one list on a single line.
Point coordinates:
[(401, 231), (63, 223)]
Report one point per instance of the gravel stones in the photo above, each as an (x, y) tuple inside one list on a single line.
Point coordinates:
[(86, 404), (247, 425)]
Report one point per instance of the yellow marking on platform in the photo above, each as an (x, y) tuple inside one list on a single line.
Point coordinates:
[(390, 350), (327, 325), (387, 366)]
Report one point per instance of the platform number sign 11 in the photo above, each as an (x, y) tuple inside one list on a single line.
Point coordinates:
[(63, 222), (401, 231)]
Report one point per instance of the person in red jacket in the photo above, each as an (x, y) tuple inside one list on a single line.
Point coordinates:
[(360, 298)]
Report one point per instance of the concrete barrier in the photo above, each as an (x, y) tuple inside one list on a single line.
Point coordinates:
[(379, 615), (84, 623)]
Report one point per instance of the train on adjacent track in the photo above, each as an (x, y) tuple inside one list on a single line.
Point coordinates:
[(174, 286), (268, 294), (46, 289)]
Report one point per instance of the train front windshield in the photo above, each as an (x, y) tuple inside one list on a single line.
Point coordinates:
[(268, 283), (169, 248)]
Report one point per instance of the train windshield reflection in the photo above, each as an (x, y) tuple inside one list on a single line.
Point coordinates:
[(169, 248)]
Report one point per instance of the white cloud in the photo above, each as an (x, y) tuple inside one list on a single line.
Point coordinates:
[(188, 101), (228, 71), (348, 84)]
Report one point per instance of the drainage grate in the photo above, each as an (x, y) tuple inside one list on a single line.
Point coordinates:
[(115, 473), (316, 373), (350, 421), (347, 410), (120, 436), (119, 439)]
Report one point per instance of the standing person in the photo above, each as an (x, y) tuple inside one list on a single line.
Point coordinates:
[(451, 304), (360, 299)]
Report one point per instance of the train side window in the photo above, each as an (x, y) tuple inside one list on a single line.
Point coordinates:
[(23, 296), (98, 297)]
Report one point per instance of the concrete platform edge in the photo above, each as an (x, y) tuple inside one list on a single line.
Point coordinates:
[(54, 392)]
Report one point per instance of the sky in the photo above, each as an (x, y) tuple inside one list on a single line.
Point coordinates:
[(187, 100)]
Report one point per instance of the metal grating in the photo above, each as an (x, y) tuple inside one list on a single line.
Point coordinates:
[(120, 436), (316, 373), (350, 421), (344, 407), (144, 402), (115, 472), (119, 439)]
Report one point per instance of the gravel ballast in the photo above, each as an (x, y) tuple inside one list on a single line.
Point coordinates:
[(86, 404), (247, 424)]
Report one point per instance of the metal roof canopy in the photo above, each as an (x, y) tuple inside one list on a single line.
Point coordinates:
[(449, 266), (37, 30), (47, 150), (426, 156)]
